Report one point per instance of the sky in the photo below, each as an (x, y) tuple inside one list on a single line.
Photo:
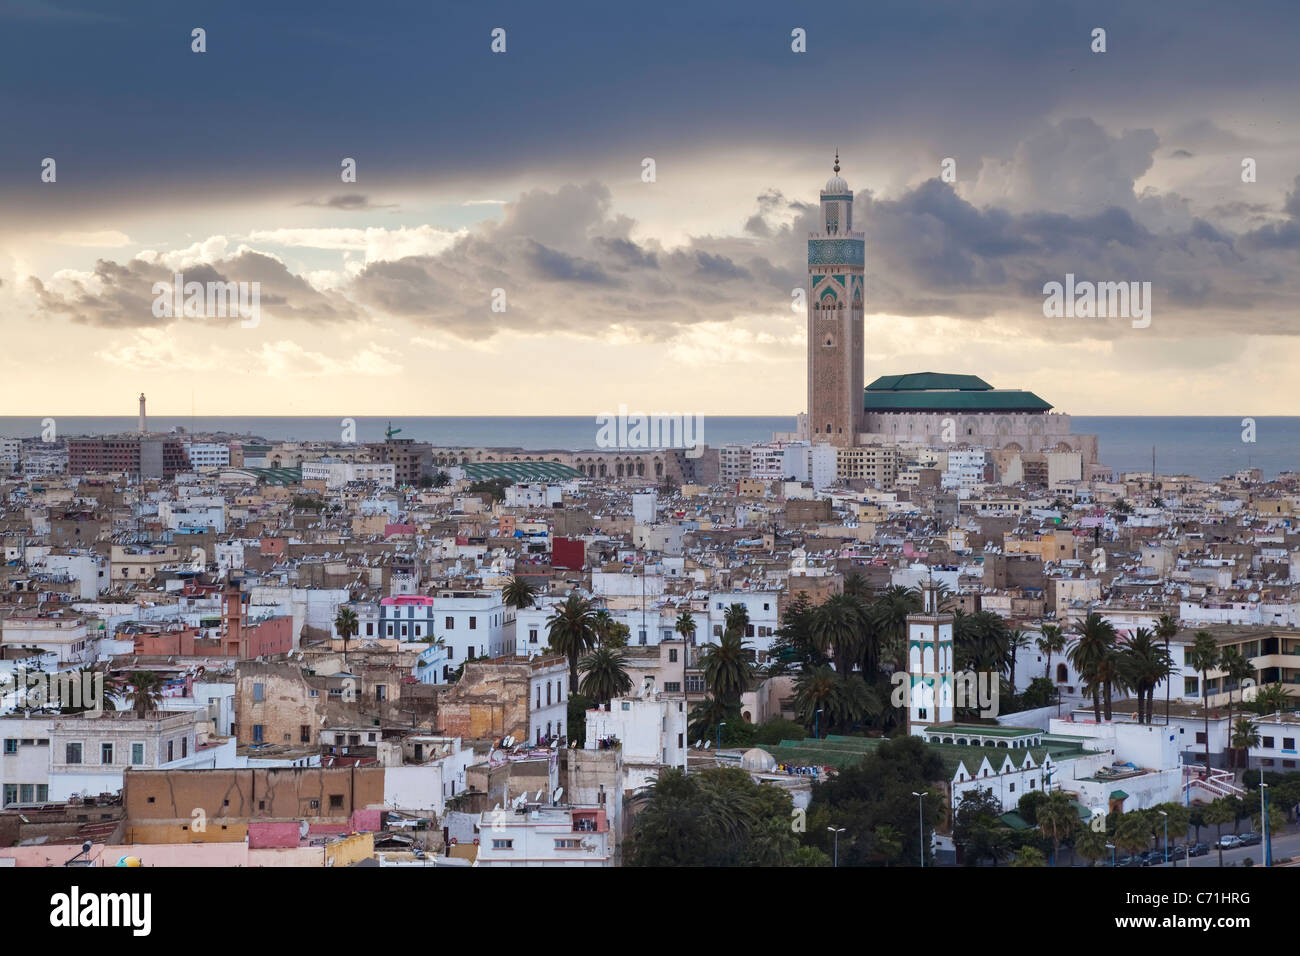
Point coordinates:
[(502, 252)]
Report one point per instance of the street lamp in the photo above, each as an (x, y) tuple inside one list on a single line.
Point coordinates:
[(837, 833), (1111, 847), (1166, 816), (818, 724), (721, 724), (1263, 820), (920, 818)]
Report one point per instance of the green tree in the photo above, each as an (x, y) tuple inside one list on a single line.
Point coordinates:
[(1027, 806), (1093, 645), (728, 670), (519, 594), (1091, 845), (1236, 668), (844, 699), (890, 611), (837, 629), (579, 704), (795, 648), (572, 632), (1245, 737), (1058, 820), (347, 626), (1204, 657), (715, 817), (145, 693), (1050, 642), (1029, 856), (736, 618), (1133, 833), (1216, 814), (1144, 664), (604, 675), (1166, 628)]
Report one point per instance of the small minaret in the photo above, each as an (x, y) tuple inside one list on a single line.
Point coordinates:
[(929, 663), (142, 427)]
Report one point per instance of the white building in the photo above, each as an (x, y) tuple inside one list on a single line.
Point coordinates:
[(764, 618), (544, 836), (336, 474), (650, 731), (205, 455), (25, 759), (548, 702)]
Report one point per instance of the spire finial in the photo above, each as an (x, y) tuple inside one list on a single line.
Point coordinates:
[(837, 160)]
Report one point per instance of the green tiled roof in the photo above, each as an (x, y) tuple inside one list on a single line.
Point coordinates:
[(926, 381), (1010, 400), (1015, 821), (275, 476), (1118, 795), (520, 471)]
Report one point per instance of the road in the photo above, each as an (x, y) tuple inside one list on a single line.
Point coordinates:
[(1286, 843)]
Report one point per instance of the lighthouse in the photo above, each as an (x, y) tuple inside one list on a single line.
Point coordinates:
[(141, 427)]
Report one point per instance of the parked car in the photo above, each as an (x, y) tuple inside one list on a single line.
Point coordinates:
[(1198, 849), (1178, 852), (1229, 841), (1135, 860), (1250, 839), (1153, 857)]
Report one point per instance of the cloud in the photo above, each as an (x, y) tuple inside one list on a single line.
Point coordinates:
[(348, 202)]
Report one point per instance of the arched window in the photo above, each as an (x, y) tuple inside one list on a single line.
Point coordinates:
[(1062, 675)]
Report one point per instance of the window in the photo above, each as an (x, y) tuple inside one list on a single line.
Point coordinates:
[(336, 801), (1264, 741), (1011, 788), (451, 652), (1288, 743), (171, 750), (1200, 736), (1033, 784), (532, 635), (626, 705), (257, 691), (11, 793), (11, 745), (257, 733), (304, 733), (473, 623), (185, 746), (503, 844), (450, 623), (1191, 687), (42, 792), (72, 753), (672, 687), (137, 754), (105, 753), (568, 844), (672, 656), (548, 693), (313, 804)]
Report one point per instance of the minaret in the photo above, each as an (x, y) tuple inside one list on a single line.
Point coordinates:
[(929, 663), (141, 427), (836, 344)]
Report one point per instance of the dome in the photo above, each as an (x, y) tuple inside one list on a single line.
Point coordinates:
[(757, 760)]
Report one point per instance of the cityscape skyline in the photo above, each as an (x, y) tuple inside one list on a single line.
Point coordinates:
[(674, 294)]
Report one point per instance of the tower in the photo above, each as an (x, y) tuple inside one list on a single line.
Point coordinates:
[(836, 344), (929, 664), (141, 428)]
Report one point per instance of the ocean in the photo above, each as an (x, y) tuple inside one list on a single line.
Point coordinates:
[(1206, 447)]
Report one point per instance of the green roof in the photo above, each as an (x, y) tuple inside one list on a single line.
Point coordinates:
[(520, 471), (1009, 400), (929, 381), (1118, 795), (275, 476), (1015, 821), (836, 751)]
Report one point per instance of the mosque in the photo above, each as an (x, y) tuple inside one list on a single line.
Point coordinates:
[(927, 408)]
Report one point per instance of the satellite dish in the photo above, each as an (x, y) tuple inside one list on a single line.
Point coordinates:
[(303, 829), (540, 791), (559, 792), (708, 744)]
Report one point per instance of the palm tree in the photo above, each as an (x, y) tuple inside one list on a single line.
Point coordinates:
[(813, 691), (1144, 665), (1058, 820), (855, 585), (1133, 832), (1017, 640), (604, 624), (1090, 844), (1051, 642), (736, 618), (605, 675), (1167, 627), (1218, 813), (1245, 736), (571, 631), (837, 628), (685, 626), (727, 668), (1272, 698), (519, 594), (1204, 658), (844, 699), (146, 692), (347, 626), (1088, 655), (1236, 668), (890, 611)]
